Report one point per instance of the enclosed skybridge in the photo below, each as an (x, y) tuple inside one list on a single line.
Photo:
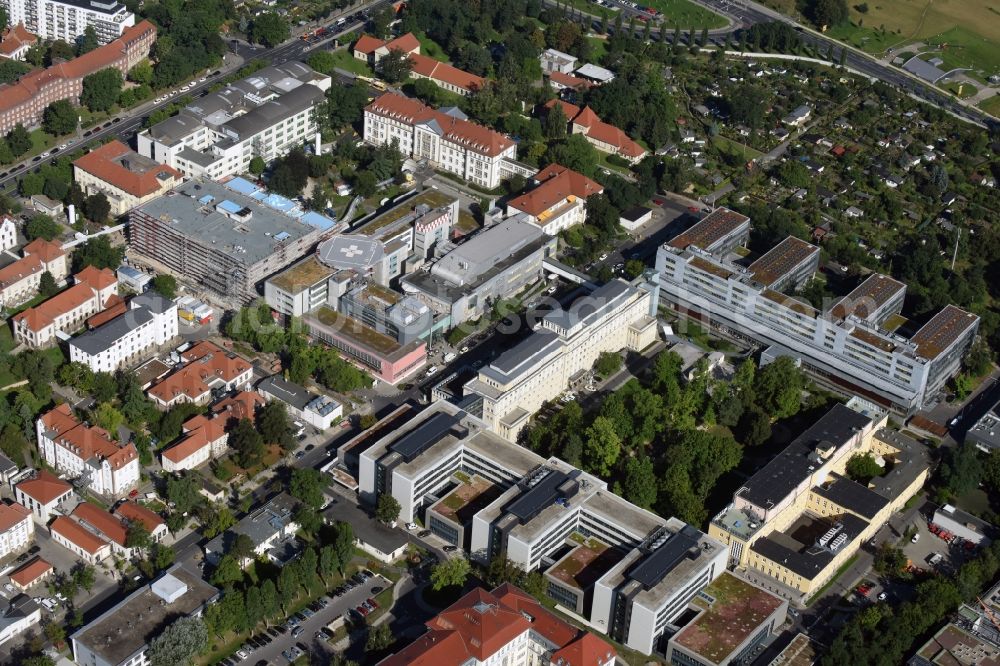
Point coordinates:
[(568, 272)]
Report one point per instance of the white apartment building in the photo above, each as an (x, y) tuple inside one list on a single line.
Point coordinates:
[(88, 453), (65, 312), (150, 321), (853, 346), (265, 115), (8, 233), (203, 439), (19, 280), (514, 386), (17, 529), (537, 507), (446, 139), (68, 19)]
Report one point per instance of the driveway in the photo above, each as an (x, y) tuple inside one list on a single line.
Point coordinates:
[(339, 606)]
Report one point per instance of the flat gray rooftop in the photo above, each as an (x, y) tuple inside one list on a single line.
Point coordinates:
[(190, 210)]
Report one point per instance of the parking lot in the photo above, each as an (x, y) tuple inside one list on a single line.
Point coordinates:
[(305, 636)]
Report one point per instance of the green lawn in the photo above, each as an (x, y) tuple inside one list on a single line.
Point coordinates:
[(865, 38), (991, 105), (960, 89), (429, 47), (963, 48), (345, 60), (686, 14), (597, 49), (735, 147)]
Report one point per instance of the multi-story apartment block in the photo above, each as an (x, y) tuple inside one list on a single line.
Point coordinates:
[(88, 453), (799, 518), (557, 200), (265, 115), (207, 369), (854, 346), (121, 635), (506, 626), (494, 264), (24, 102), (446, 139), (67, 311), (17, 529), (124, 176), (481, 492), (514, 386), (150, 321), (226, 238), (66, 20), (19, 280)]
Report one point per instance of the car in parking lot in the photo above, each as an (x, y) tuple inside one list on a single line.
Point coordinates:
[(242, 654), (377, 589), (297, 631)]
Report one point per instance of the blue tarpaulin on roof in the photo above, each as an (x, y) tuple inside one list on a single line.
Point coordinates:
[(230, 206), (242, 185), (314, 219)]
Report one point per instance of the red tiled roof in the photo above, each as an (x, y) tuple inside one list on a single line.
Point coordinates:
[(205, 362), (367, 44), (86, 441), (88, 281), (136, 513), (16, 38), (407, 43), (12, 514), (243, 405), (570, 81), (45, 250), (98, 278), (108, 163), (30, 572), (45, 487), (468, 134), (110, 527), (442, 71), (75, 533), (556, 184), (597, 129), (201, 432), (114, 307), (588, 650), (482, 623)]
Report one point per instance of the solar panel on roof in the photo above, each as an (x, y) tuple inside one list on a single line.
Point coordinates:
[(424, 436)]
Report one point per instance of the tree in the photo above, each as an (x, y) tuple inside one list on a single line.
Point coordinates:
[(182, 492), (323, 61), (182, 640), (639, 482), (42, 226), (165, 285), (97, 208), (307, 485), (345, 104), (889, 560), (228, 570), (137, 536), (328, 563), (607, 364), (862, 468), (343, 543), (108, 417), (288, 585), (601, 447), (387, 509), (754, 427), (395, 66), (380, 22), (247, 442), (47, 286), (59, 118), (269, 29), (101, 89), (12, 70), (54, 632), (269, 599), (452, 572), (88, 41), (778, 388), (275, 426), (84, 576), (554, 123), (242, 548), (257, 165), (19, 140), (141, 73), (379, 638), (827, 13), (576, 153)]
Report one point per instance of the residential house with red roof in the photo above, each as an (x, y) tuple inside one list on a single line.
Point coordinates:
[(202, 439), (17, 530), (25, 101), (83, 543), (19, 280), (32, 572), (557, 200), (88, 453), (16, 41), (445, 138), (125, 177), (451, 78), (42, 495), (606, 138), (207, 368), (505, 626), (66, 312), (132, 512)]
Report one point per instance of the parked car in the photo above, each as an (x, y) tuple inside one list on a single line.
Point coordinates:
[(377, 589), (449, 548), (297, 632)]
